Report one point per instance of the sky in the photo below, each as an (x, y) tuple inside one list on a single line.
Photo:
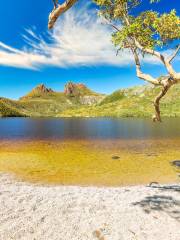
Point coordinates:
[(78, 49)]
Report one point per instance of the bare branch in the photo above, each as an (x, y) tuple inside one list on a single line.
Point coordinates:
[(149, 51), (113, 26), (108, 22), (59, 10), (166, 83), (140, 74), (55, 2), (174, 54), (164, 60)]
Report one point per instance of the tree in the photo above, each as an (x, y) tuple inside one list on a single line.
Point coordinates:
[(58, 10), (143, 35)]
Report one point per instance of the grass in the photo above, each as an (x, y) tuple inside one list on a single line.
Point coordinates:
[(91, 162), (130, 102), (8, 110)]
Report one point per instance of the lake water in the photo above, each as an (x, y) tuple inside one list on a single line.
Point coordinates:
[(95, 128), (97, 151)]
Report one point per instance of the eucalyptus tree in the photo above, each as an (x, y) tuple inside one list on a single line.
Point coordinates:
[(58, 10), (142, 34)]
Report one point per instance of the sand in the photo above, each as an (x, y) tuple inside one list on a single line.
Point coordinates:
[(30, 211)]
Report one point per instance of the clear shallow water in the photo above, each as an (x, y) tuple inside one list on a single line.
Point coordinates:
[(94, 128), (97, 151)]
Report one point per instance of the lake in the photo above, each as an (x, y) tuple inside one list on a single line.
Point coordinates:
[(94, 128), (97, 151)]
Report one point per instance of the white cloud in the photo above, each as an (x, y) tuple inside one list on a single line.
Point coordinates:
[(79, 39)]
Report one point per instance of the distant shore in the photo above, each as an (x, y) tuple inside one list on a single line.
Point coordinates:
[(41, 212), (77, 100)]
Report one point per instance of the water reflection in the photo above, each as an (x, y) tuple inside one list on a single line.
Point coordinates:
[(95, 128)]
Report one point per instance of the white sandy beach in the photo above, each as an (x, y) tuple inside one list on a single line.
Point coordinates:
[(32, 212)]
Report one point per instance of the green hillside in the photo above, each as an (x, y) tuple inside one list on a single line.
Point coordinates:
[(131, 102), (79, 101), (8, 109), (44, 102)]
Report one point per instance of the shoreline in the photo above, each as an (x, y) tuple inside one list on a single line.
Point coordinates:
[(34, 211)]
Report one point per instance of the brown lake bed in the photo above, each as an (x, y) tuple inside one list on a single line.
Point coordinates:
[(113, 162)]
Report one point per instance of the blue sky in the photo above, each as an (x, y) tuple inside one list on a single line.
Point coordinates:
[(78, 49)]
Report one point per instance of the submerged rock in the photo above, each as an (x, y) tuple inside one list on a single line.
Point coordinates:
[(115, 157), (176, 163)]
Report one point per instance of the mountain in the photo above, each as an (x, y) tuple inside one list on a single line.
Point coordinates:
[(78, 100), (39, 91), (8, 109), (79, 89), (81, 92), (44, 102), (130, 102)]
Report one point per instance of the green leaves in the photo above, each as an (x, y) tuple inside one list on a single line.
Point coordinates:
[(149, 28), (154, 1), (167, 26)]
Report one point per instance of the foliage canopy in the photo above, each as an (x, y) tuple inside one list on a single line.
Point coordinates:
[(149, 28)]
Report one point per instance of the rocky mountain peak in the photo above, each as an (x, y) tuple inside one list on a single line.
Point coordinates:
[(76, 89), (38, 91), (71, 89), (43, 89)]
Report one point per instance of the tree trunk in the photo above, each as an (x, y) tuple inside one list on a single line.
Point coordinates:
[(165, 88)]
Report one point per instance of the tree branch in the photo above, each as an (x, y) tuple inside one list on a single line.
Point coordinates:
[(166, 84), (143, 76), (59, 10), (167, 64), (55, 2), (140, 74), (149, 51), (148, 78), (174, 54), (110, 24)]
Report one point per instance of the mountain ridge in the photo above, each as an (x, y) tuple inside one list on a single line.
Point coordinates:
[(42, 101), (77, 100), (38, 91)]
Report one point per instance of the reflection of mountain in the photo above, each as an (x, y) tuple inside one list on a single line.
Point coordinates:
[(79, 101)]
